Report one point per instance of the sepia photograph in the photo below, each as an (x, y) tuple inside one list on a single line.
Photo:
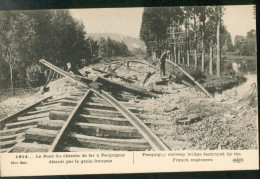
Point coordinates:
[(175, 78)]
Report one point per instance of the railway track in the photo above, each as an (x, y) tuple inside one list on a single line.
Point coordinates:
[(14, 127), (91, 119)]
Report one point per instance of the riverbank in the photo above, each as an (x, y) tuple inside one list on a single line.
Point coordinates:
[(214, 84)]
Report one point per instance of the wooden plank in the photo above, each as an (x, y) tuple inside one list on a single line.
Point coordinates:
[(63, 102), (73, 98), (4, 150), (107, 113), (9, 137), (15, 130), (24, 147), (111, 144), (56, 108), (121, 99), (113, 74), (25, 123), (56, 99), (50, 103), (99, 106), (104, 120), (107, 106), (40, 135), (68, 121), (59, 115), (126, 87), (7, 144), (77, 94), (23, 111), (36, 116), (50, 124), (38, 111), (100, 112), (68, 103), (49, 107), (94, 99), (126, 129), (105, 130)]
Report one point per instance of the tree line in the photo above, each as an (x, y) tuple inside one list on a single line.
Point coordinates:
[(194, 35), (109, 48), (27, 36), (246, 45)]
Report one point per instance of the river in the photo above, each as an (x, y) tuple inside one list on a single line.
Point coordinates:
[(250, 72)]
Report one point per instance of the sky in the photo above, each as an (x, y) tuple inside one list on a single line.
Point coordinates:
[(125, 21), (238, 20)]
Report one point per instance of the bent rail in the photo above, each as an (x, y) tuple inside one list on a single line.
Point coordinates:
[(174, 64), (151, 138), (188, 75)]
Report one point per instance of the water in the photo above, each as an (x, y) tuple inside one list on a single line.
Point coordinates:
[(250, 72), (242, 89)]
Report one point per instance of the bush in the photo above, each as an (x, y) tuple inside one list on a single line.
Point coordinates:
[(195, 73), (213, 83), (35, 75)]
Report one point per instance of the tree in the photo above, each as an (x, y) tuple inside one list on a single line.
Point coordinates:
[(17, 39), (187, 14), (102, 47), (226, 41), (246, 45), (195, 15), (202, 17), (155, 21), (210, 36), (251, 42), (60, 37), (239, 41), (27, 36), (219, 14)]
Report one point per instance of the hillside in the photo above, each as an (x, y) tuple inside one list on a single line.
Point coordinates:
[(131, 42)]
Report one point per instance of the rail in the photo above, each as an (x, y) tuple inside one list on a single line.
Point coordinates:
[(188, 75), (151, 138), (181, 69), (68, 121)]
